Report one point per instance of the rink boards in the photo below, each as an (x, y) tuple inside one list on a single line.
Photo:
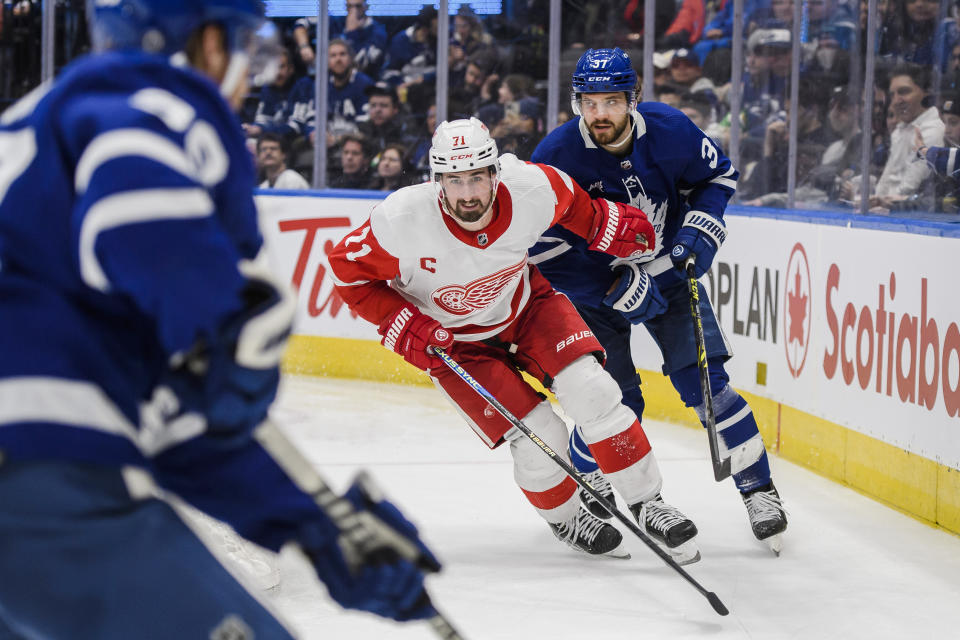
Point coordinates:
[(846, 333)]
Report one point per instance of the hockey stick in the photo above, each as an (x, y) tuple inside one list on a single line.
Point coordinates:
[(714, 600), (721, 467), (364, 534)]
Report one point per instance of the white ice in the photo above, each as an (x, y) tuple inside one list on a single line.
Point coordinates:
[(850, 568)]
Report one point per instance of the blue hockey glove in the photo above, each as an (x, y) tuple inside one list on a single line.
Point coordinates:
[(635, 295), (234, 375), (364, 494), (701, 235), (377, 563)]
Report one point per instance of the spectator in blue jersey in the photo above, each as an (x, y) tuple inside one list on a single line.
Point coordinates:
[(275, 105), (346, 98), (718, 32), (272, 154), (383, 123), (141, 337), (412, 56), (366, 36), (655, 158), (912, 31)]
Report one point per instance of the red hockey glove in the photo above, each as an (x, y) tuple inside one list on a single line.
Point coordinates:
[(621, 230), (411, 333)]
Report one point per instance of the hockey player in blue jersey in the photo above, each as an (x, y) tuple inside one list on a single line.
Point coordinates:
[(653, 157), (140, 341)]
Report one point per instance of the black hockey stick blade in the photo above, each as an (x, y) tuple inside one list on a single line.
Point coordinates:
[(718, 606), (577, 478)]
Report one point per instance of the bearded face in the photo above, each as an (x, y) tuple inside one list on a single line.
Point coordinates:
[(468, 195), (606, 115)]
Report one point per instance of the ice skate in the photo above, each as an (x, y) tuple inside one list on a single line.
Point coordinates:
[(598, 481), (590, 535), (669, 528), (767, 517)]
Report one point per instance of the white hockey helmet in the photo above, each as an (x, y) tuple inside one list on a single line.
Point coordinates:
[(462, 145)]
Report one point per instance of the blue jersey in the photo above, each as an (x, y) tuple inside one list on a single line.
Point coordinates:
[(672, 168), (126, 209)]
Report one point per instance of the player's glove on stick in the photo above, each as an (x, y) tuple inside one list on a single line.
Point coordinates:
[(233, 376), (368, 572), (701, 234), (411, 334), (621, 230), (635, 294)]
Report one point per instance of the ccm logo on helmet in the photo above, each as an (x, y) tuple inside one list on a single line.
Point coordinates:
[(461, 157), (598, 78)]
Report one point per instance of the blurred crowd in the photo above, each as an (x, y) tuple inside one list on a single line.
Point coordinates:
[(381, 98)]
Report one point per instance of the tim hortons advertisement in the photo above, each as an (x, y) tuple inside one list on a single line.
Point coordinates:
[(857, 326), (299, 233)]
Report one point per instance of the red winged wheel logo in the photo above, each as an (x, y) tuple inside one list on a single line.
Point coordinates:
[(479, 294)]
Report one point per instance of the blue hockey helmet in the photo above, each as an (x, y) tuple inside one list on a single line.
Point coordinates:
[(164, 26), (604, 71)]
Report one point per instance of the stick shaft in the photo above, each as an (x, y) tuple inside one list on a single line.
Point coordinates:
[(570, 471), (721, 467), (347, 519)]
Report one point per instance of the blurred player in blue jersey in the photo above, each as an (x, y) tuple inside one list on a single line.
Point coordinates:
[(653, 157), (140, 343)]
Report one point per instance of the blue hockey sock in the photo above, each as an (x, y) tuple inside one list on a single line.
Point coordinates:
[(735, 425), (580, 453)]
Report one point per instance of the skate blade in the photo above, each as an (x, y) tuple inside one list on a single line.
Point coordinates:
[(775, 542), (686, 553), (620, 553)]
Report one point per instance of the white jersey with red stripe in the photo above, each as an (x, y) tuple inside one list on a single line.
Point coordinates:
[(472, 282)]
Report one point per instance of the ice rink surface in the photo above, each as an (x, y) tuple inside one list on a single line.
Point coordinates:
[(851, 568)]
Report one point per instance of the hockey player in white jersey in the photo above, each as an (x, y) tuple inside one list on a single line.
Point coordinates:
[(139, 350), (445, 264)]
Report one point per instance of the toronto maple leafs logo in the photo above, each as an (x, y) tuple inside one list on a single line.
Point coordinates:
[(596, 186), (799, 306), (656, 213), (481, 293)]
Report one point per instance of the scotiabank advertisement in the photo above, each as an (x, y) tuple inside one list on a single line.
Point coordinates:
[(857, 326)]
